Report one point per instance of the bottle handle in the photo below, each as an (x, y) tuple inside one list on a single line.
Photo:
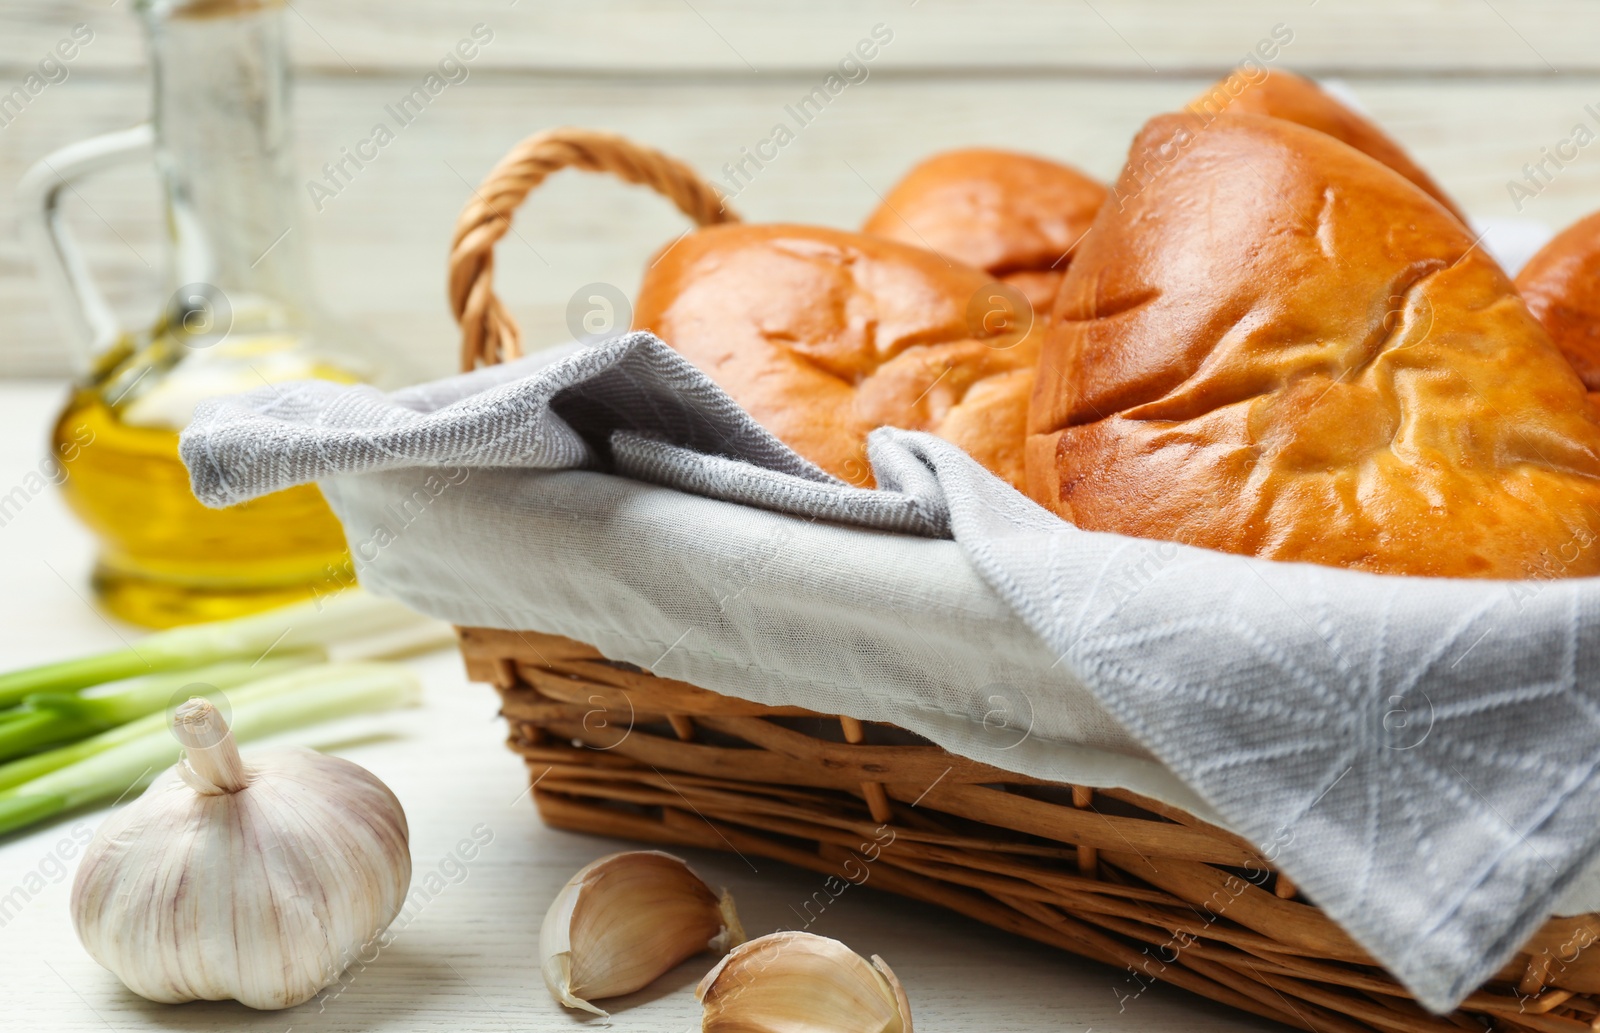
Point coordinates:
[(90, 323)]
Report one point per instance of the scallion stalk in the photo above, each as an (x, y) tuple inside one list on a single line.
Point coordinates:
[(50, 718), (311, 624), (121, 760)]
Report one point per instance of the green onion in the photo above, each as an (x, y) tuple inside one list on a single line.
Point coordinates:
[(50, 718), (347, 614), (27, 810), (115, 763)]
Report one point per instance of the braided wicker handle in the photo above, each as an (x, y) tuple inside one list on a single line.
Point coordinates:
[(488, 333)]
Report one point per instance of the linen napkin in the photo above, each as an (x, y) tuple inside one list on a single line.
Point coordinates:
[(1418, 755)]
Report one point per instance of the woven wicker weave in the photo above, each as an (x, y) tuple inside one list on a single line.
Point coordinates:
[(1105, 874)]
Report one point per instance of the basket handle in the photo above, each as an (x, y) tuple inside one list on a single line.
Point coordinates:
[(488, 332)]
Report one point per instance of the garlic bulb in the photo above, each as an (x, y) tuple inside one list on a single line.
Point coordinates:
[(801, 983), (625, 920), (258, 884)]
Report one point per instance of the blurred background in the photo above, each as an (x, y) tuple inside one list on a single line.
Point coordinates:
[(1474, 90)]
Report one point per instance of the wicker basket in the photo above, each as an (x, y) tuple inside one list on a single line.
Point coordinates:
[(1105, 874)]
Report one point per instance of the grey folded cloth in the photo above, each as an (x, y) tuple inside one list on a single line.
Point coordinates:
[(1418, 755)]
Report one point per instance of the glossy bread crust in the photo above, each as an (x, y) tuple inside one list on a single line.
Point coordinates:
[(824, 335), (1561, 285), (1016, 216), (1280, 94), (1275, 345)]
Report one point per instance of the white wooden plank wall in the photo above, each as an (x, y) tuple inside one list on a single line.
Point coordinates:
[(1473, 90)]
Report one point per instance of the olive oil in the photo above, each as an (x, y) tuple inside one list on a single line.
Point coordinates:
[(241, 316), (166, 559)]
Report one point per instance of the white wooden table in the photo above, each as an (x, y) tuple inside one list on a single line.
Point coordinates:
[(469, 959)]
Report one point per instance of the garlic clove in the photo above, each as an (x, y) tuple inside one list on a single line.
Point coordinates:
[(625, 920), (259, 883), (793, 982)]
